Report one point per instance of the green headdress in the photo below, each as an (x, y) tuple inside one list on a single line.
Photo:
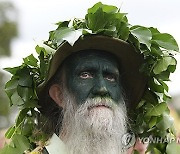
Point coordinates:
[(156, 50)]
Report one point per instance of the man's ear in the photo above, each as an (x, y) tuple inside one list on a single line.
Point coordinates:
[(55, 93)]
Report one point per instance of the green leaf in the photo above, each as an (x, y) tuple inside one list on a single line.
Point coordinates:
[(123, 32), (155, 85), (157, 109), (119, 19), (141, 103), (25, 93), (41, 49), (27, 128), (62, 24), (86, 32), (134, 41), (10, 132), (16, 99), (95, 7), (22, 115), (24, 78), (152, 122), (78, 24), (18, 145), (156, 51), (109, 8), (166, 96), (105, 8), (139, 119), (163, 64), (154, 30), (30, 60), (10, 88), (43, 65), (166, 41), (9, 150), (31, 104), (165, 86), (102, 17), (173, 148), (150, 97), (163, 76), (156, 151), (12, 70), (67, 34), (97, 20), (171, 68), (21, 143), (143, 35), (166, 122)]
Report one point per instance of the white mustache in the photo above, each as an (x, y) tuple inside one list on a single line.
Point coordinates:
[(98, 101)]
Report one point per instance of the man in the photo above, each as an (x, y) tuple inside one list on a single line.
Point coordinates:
[(106, 78), (86, 89)]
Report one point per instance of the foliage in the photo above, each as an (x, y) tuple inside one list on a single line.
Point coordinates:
[(158, 50), (8, 30), (3, 100)]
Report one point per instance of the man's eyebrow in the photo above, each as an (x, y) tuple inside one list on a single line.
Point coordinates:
[(85, 68), (111, 70)]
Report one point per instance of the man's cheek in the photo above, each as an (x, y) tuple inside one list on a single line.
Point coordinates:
[(115, 93), (82, 93)]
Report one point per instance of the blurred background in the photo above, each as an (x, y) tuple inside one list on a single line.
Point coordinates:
[(26, 23)]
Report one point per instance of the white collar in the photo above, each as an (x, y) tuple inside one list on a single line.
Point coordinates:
[(56, 145)]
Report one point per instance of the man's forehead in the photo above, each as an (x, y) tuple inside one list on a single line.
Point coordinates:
[(96, 65), (93, 57)]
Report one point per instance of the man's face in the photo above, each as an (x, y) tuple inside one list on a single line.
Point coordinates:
[(91, 74), (94, 110)]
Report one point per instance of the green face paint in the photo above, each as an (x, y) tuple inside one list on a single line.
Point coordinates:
[(92, 74)]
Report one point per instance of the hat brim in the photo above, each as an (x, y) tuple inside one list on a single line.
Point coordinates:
[(133, 81)]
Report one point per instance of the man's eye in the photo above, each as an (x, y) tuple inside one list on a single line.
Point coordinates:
[(86, 75), (110, 78)]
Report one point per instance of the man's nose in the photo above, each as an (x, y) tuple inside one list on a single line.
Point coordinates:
[(100, 88)]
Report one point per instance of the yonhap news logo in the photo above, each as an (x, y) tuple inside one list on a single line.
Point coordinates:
[(128, 140), (158, 139)]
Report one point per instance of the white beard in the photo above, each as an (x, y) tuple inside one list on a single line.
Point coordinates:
[(94, 130)]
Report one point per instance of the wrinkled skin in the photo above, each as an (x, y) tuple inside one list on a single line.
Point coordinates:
[(92, 74)]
